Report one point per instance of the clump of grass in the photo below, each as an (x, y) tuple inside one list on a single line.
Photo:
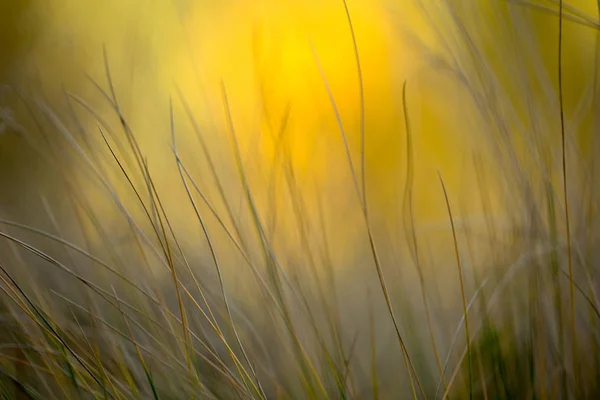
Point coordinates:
[(163, 317)]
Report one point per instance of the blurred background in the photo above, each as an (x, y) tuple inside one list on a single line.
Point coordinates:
[(306, 131)]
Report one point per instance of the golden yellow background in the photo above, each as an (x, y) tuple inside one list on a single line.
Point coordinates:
[(276, 60)]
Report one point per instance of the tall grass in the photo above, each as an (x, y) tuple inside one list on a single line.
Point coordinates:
[(108, 296)]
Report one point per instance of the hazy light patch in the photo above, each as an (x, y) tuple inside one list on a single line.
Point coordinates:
[(266, 54)]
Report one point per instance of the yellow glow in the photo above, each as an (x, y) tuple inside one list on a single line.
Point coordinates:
[(262, 51)]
